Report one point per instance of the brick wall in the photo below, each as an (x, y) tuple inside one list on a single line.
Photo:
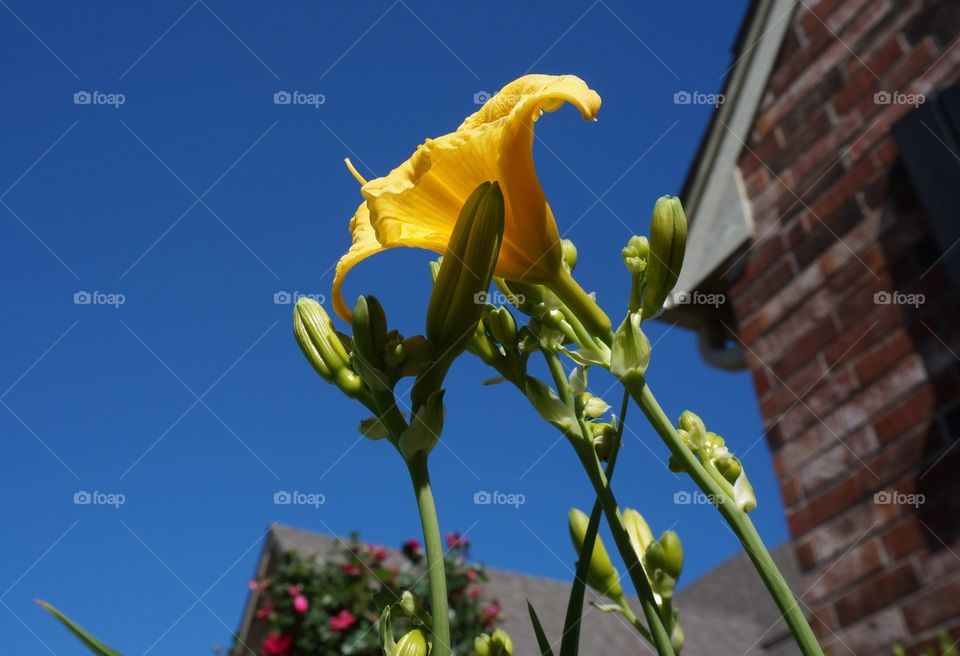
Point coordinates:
[(858, 397)]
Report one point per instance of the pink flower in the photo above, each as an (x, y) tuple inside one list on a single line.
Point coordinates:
[(342, 621), (472, 575), (457, 541), (277, 644), (474, 591), (491, 612), (351, 569), (378, 554), (257, 586), (264, 612), (300, 604), (412, 550), (293, 590)]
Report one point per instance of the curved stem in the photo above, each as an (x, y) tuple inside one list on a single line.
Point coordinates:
[(738, 520), (436, 571), (581, 304)]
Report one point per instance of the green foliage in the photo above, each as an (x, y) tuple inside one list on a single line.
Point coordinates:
[(346, 590)]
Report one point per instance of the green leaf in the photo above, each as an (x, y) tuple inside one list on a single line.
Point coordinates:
[(372, 428), (94, 645), (424, 429), (538, 629), (496, 380), (549, 405)]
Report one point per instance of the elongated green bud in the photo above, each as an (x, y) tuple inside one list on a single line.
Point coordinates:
[(323, 349), (459, 291), (503, 327), (601, 575), (668, 241), (502, 640), (413, 643), (369, 330)]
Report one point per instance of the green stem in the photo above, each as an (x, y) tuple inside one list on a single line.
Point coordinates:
[(736, 518), (581, 304), (420, 476), (631, 617)]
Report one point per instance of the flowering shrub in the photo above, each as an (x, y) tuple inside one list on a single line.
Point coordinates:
[(331, 605)]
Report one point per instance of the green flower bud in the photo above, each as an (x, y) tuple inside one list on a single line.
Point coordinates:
[(604, 439), (668, 239), (630, 352), (636, 254), (601, 575), (664, 563), (369, 330), (502, 640), (413, 643), (593, 406), (695, 429), (569, 255), (465, 273), (321, 345), (639, 531), (503, 327), (729, 467), (743, 494), (677, 639), (482, 645)]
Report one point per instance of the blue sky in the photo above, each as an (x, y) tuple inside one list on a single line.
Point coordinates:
[(198, 199)]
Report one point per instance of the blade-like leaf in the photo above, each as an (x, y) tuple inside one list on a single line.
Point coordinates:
[(91, 643), (538, 629)]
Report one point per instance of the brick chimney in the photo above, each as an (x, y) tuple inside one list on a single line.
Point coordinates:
[(850, 324)]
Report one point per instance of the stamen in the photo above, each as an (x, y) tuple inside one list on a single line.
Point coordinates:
[(353, 171)]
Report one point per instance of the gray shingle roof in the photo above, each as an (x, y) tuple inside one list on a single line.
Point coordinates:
[(726, 612)]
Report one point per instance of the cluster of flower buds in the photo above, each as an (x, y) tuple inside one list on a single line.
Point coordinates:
[(662, 562), (635, 255), (712, 452), (496, 644), (602, 576), (591, 408)]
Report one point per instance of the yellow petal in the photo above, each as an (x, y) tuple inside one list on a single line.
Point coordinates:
[(417, 203), (365, 244)]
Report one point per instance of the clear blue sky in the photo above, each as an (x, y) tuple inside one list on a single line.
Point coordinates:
[(198, 199)]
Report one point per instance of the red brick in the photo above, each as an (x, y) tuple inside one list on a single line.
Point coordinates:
[(877, 593), (904, 538), (915, 410), (874, 635), (934, 606), (883, 355), (856, 564), (827, 505)]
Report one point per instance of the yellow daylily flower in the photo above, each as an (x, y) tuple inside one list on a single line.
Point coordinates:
[(417, 203)]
